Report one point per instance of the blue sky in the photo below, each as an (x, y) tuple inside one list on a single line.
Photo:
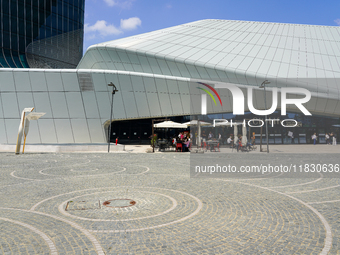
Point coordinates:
[(107, 20)]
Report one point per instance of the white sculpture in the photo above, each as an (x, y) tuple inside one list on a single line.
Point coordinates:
[(24, 126)]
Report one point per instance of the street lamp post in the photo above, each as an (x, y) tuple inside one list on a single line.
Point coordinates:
[(114, 90), (263, 86)]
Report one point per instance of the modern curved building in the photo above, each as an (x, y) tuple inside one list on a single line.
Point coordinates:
[(41, 34), (157, 75)]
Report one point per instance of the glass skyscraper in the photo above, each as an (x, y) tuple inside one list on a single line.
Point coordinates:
[(41, 33)]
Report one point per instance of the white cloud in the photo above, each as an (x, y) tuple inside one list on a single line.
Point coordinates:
[(337, 21), (103, 28), (123, 4), (130, 24), (168, 6), (110, 2)]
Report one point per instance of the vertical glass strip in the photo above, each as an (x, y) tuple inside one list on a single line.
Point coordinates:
[(2, 59), (23, 60), (8, 57), (16, 59)]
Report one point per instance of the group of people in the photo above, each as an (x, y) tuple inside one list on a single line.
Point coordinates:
[(183, 138), (237, 142), (330, 138)]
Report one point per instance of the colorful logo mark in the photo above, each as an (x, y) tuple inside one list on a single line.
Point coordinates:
[(209, 93)]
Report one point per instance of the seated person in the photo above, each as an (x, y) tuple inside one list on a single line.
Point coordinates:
[(239, 143), (229, 141), (186, 145)]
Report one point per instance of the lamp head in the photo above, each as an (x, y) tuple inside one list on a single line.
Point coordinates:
[(263, 84), (114, 89)]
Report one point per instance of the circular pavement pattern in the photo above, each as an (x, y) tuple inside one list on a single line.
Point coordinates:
[(55, 204)]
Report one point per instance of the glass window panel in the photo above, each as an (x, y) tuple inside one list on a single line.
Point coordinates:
[(124, 82), (123, 56), (112, 77), (90, 104), (154, 105), (80, 131), (38, 81), (2, 61), (11, 102), (172, 86), (25, 100), (16, 59), (3, 136), (173, 68), (203, 73), (104, 104), (195, 106), (12, 126), (75, 105), (1, 109), (149, 84), (184, 71), (145, 64), (118, 107), (47, 131), (165, 104), (5, 22), (42, 103), (64, 131), (154, 66), (104, 55), (8, 57), (142, 105), (54, 82), (99, 81), (130, 104), (6, 81), (59, 107), (96, 131), (211, 72), (137, 83), (193, 71), (161, 85), (176, 104), (115, 59), (70, 81)]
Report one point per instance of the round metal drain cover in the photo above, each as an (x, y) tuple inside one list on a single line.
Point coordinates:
[(119, 203)]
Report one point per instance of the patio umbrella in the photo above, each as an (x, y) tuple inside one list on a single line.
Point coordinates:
[(169, 124), (244, 135), (235, 134)]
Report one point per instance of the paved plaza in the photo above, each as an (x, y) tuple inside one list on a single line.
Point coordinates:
[(147, 203)]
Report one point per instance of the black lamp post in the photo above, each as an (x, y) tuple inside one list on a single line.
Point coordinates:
[(263, 86), (114, 90)]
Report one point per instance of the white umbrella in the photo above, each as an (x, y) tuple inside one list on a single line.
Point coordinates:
[(235, 134), (169, 124), (244, 135)]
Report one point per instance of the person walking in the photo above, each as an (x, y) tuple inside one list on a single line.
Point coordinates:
[(334, 139), (327, 138), (314, 137), (331, 138)]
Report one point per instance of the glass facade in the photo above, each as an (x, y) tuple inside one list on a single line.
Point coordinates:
[(41, 33)]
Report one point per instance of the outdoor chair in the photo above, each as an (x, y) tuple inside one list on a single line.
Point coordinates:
[(179, 146), (205, 146), (217, 146)]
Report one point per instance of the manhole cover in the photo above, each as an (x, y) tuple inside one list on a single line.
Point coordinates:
[(119, 203)]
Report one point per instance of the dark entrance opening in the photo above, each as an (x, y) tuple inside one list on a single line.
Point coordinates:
[(140, 131)]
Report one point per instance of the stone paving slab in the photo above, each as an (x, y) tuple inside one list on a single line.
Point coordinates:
[(172, 213)]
